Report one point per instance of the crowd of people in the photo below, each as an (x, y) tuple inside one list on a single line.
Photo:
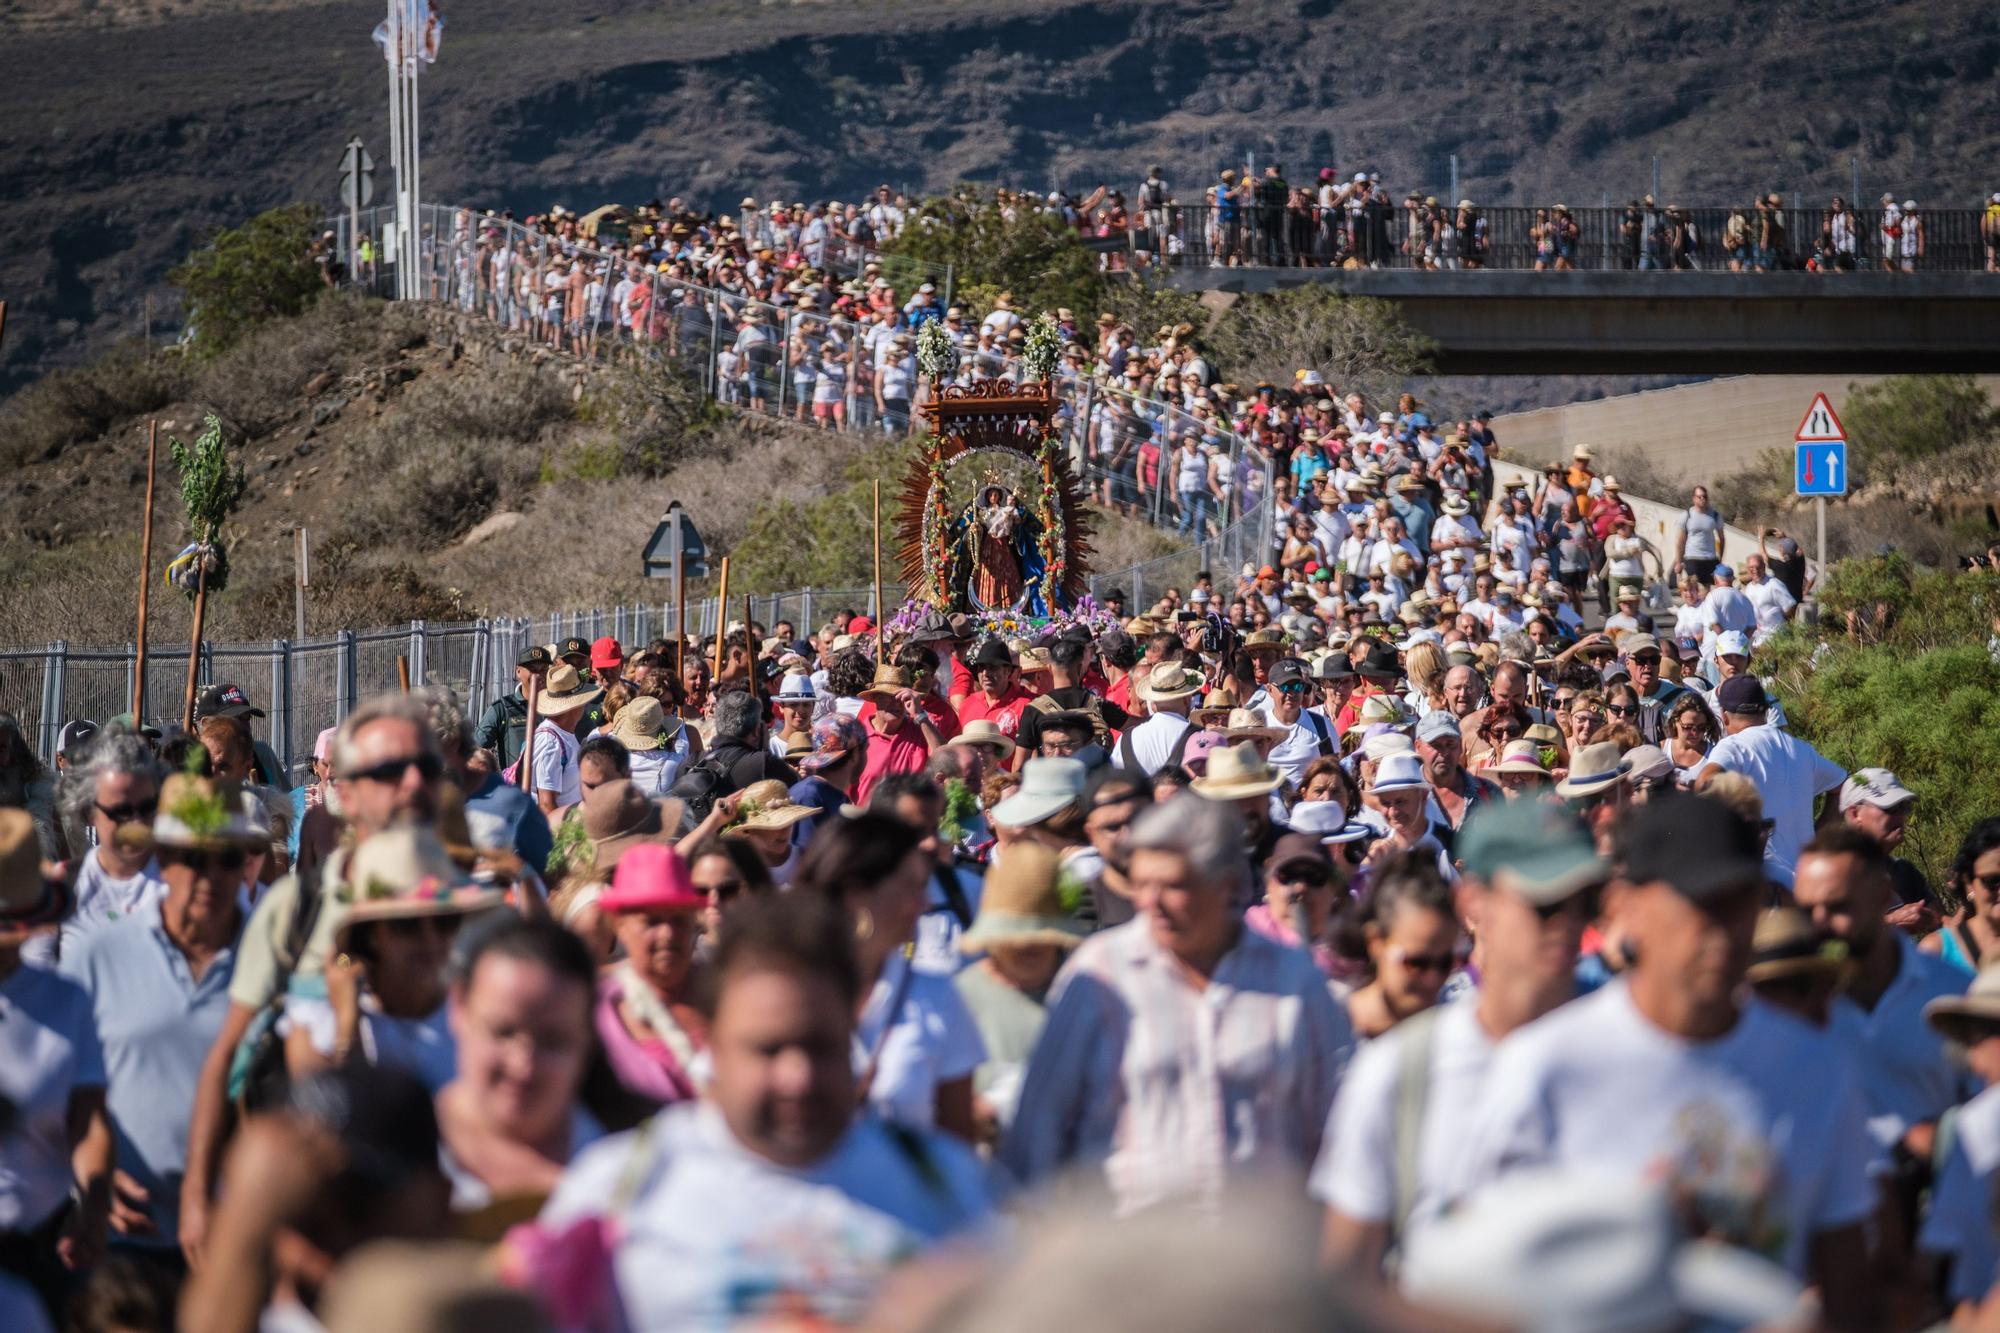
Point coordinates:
[(1495, 958)]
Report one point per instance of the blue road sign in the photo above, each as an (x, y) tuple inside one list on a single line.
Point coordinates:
[(1821, 468)]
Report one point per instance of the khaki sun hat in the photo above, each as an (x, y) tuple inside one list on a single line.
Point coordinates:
[(1172, 682), (985, 732), (1787, 944), (201, 814), (1968, 1017), (640, 724), (1243, 724), (1236, 772), (888, 682), (1021, 903), (565, 691)]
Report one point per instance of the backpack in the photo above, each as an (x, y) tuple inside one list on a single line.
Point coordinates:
[(1047, 706), (1153, 194), (1323, 731), (257, 1073), (699, 785)]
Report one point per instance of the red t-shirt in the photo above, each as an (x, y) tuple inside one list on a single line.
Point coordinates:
[(903, 750), (1004, 713), (941, 715)]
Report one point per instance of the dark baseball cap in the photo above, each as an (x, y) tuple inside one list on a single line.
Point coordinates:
[(1742, 694), (1288, 671), (535, 659), (1695, 843), (573, 647), (1542, 848), (1296, 847), (225, 701)]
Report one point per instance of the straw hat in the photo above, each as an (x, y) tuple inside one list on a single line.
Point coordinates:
[(27, 898), (774, 809), (1174, 682), (1967, 1018), (1787, 944), (1244, 725), (640, 724), (1595, 768), (888, 682), (1021, 902), (200, 814), (403, 873), (1456, 505), (1048, 786), (983, 731), (1237, 772), (565, 692), (1523, 757), (1265, 638)]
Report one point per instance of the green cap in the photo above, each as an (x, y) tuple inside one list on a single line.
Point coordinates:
[(125, 722), (1544, 850)]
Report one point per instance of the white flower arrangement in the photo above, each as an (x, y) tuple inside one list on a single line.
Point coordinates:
[(1042, 348), (937, 356)]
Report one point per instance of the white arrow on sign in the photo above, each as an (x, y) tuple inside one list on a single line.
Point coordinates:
[(1833, 467)]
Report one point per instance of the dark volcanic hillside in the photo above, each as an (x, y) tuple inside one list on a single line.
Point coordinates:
[(125, 138)]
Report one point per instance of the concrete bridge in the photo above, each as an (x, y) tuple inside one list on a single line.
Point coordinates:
[(1492, 322)]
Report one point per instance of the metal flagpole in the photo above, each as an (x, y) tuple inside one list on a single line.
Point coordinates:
[(415, 260), (392, 52)]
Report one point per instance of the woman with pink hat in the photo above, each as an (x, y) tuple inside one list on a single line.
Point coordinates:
[(646, 1017)]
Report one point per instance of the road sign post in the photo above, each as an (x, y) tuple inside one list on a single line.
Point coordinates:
[(357, 187), (1819, 465), (676, 547)]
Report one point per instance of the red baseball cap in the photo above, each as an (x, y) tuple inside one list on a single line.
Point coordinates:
[(606, 654), (861, 625)]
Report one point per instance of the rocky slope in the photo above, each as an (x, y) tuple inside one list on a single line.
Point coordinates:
[(133, 126)]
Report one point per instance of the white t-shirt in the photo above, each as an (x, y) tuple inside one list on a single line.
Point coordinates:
[(1356, 1170), (1772, 601), (422, 1047), (717, 1237), (931, 1039), (1152, 741), (1295, 753), (1906, 1077), (1788, 773), (556, 770), (48, 1049), (1725, 609), (1762, 1130), (99, 899), (1961, 1218)]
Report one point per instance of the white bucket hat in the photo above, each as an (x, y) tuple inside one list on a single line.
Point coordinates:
[(1047, 786)]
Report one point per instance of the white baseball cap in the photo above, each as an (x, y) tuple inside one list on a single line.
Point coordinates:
[(1874, 786), (1732, 643)]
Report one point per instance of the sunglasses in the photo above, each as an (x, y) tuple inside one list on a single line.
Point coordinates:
[(1424, 962), (1583, 903), (1293, 687), (1621, 710), (428, 766), (1306, 874), (1645, 659), (132, 812), (227, 861), (721, 892), (410, 927)]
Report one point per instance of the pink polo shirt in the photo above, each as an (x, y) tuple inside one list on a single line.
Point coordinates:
[(903, 750)]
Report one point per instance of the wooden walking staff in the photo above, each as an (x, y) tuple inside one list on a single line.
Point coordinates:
[(880, 611), (721, 618), (194, 646), (525, 761), (750, 646), (145, 573)]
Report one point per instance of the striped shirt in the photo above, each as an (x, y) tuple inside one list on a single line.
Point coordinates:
[(1174, 1090)]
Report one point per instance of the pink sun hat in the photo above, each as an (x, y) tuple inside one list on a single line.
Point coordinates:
[(651, 877)]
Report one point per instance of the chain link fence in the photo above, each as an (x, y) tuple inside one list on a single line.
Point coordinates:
[(308, 685)]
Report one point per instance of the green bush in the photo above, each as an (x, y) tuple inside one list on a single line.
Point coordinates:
[(246, 275), (1913, 417), (1033, 255), (1898, 674), (1359, 344)]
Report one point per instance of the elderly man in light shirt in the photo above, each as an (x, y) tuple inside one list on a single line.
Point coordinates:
[(1183, 1053)]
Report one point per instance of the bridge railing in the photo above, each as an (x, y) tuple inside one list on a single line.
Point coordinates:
[(1602, 239)]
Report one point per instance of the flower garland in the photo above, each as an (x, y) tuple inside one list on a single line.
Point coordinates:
[(1048, 510)]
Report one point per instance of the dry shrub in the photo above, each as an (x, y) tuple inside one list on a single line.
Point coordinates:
[(261, 382), (67, 407)]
